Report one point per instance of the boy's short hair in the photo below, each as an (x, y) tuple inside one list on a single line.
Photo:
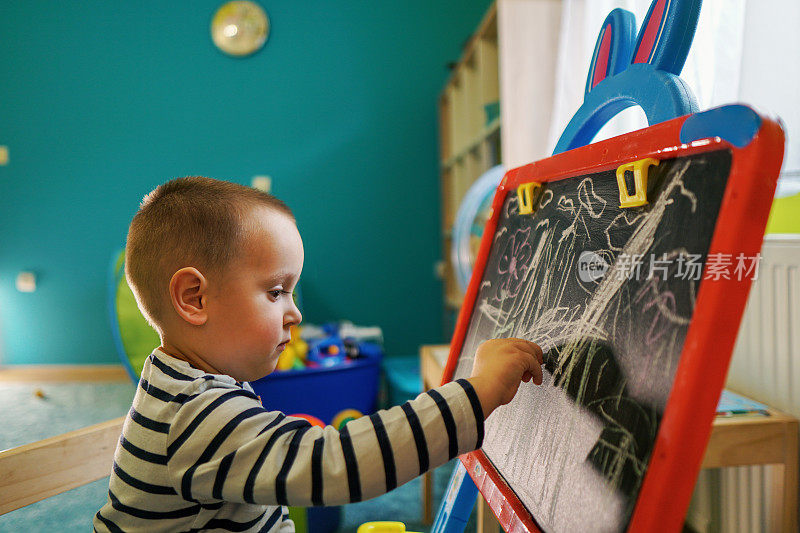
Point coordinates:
[(191, 221)]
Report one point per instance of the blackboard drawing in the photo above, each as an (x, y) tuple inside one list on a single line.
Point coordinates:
[(629, 261)]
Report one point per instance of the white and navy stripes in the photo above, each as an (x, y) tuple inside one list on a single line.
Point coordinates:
[(198, 452)]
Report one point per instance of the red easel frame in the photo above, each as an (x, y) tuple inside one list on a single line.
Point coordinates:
[(699, 379)]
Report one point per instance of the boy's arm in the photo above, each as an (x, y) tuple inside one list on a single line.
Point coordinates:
[(227, 447)]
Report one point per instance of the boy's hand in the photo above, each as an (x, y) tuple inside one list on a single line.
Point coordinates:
[(500, 366)]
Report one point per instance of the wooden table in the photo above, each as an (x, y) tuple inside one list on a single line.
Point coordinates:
[(734, 441)]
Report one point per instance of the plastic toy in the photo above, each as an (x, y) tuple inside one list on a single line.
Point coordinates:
[(310, 418), (327, 352), (133, 337), (343, 417), (295, 353), (300, 345), (287, 359), (383, 527), (334, 349), (356, 349)]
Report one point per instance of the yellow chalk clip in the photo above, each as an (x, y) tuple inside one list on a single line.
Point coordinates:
[(639, 169), (526, 197)]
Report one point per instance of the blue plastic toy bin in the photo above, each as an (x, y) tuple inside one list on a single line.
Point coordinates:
[(323, 392)]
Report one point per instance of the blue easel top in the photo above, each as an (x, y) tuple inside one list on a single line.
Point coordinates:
[(642, 70)]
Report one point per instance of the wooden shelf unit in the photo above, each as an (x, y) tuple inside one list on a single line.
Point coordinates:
[(469, 141)]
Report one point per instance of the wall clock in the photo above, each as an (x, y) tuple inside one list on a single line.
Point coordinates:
[(239, 28)]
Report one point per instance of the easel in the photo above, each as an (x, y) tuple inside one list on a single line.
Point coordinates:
[(735, 441), (613, 84)]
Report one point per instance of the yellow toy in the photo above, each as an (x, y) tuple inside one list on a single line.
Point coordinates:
[(294, 355), (383, 527), (345, 416)]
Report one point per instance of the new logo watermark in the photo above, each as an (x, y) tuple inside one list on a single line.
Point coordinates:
[(591, 267)]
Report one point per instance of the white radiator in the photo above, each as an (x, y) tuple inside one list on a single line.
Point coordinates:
[(766, 367)]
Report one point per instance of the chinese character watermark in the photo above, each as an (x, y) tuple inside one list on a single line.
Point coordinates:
[(685, 266)]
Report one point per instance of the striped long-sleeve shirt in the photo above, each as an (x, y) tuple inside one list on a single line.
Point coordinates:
[(198, 452)]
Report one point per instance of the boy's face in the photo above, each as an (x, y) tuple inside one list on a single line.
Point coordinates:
[(251, 306)]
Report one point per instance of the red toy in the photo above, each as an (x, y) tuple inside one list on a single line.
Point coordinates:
[(310, 418)]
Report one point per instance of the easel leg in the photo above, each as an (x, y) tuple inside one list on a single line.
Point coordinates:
[(459, 499), (427, 497)]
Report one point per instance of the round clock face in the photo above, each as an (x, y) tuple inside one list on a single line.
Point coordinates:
[(239, 28)]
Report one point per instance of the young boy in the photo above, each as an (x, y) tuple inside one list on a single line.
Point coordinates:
[(213, 266)]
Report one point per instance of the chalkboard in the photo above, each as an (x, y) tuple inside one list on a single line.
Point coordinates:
[(636, 308)]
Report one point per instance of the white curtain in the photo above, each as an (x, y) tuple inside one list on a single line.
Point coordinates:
[(712, 67), (770, 75)]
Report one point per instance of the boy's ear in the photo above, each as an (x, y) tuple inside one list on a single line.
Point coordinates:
[(187, 292)]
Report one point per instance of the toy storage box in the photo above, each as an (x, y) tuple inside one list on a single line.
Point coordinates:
[(323, 391)]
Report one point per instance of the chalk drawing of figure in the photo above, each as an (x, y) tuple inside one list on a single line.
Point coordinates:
[(589, 203), (514, 263)]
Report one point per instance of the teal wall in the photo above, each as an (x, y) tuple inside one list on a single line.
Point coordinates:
[(102, 101)]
